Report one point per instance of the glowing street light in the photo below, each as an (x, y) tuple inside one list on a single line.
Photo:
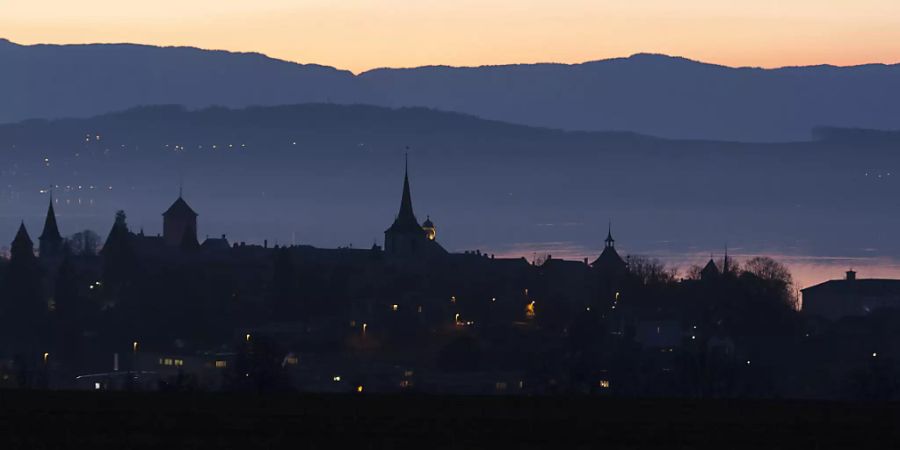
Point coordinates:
[(46, 357)]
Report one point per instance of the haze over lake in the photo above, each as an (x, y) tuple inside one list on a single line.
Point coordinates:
[(330, 175)]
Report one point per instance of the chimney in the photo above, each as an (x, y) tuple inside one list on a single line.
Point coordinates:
[(265, 243), (851, 275)]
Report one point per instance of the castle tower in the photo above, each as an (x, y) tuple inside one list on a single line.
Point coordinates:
[(179, 224), (50, 241), (22, 247)]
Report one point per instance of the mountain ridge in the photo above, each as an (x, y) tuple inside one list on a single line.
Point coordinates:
[(646, 93)]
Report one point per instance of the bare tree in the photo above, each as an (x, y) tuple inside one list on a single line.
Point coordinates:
[(775, 274), (650, 271)]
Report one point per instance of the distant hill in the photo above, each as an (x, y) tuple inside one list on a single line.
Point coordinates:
[(650, 94), (50, 81)]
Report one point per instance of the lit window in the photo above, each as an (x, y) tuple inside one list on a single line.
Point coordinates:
[(359, 388), (167, 361), (419, 309), (408, 373), (405, 384), (292, 359), (500, 385), (529, 310), (336, 379), (97, 386), (179, 362), (604, 384), (394, 307), (221, 364)]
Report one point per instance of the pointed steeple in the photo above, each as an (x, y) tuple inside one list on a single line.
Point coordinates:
[(725, 269), (406, 209), (406, 220), (50, 241), (22, 236), (610, 242), (51, 230), (22, 245)]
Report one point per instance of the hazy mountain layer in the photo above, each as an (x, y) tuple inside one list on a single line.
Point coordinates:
[(649, 94)]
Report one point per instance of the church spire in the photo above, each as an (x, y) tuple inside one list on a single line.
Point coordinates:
[(406, 210)]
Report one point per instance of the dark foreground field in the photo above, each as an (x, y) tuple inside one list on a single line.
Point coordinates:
[(125, 420)]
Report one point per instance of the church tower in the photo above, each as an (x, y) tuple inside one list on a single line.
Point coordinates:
[(405, 237), (50, 241), (180, 225), (609, 262)]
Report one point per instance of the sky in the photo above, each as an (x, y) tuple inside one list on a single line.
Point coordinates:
[(365, 34)]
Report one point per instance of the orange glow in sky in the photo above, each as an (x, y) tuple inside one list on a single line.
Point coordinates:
[(363, 34)]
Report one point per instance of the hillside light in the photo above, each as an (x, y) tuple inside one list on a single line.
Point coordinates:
[(874, 354)]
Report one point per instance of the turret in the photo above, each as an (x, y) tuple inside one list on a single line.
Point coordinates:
[(50, 241), (429, 229)]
